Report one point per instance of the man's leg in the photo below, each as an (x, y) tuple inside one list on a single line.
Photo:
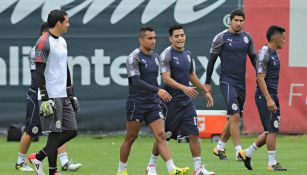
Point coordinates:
[(133, 128), (157, 128), (151, 166), (65, 163), (25, 143), (234, 128), (271, 147)]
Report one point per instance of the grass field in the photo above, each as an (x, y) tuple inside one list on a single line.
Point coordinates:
[(99, 156)]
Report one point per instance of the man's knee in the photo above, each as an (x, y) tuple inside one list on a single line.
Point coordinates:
[(131, 138), (160, 136)]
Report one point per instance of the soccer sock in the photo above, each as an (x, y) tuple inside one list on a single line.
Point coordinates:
[(221, 145), (272, 158), (122, 166), (153, 160), (238, 148), (40, 155), (63, 158), (170, 165), (197, 163), (66, 136), (251, 149), (21, 158), (52, 170)]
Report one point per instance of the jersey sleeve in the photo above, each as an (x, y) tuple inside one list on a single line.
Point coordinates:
[(31, 59), (217, 44), (251, 47), (42, 49), (191, 61), (262, 60), (132, 64), (165, 59)]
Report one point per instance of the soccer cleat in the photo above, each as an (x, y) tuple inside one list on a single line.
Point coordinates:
[(220, 153), (238, 158), (151, 170), (69, 166), (276, 167), (23, 167), (202, 171), (56, 173), (246, 160), (179, 171), (37, 164), (122, 173)]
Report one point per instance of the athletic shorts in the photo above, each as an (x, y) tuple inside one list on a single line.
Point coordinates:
[(63, 119), (270, 120), (135, 112), (33, 125), (181, 119), (234, 97)]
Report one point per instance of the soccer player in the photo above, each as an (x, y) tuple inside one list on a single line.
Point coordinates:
[(143, 103), (33, 126), (58, 104), (232, 46), (266, 97), (177, 72)]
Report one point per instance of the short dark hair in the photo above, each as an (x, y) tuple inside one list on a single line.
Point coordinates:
[(272, 30), (145, 29), (44, 27), (237, 12), (55, 16), (174, 27)]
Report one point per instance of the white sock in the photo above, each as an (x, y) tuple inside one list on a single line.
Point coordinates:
[(251, 149), (21, 158), (63, 158), (153, 160), (197, 163), (170, 165), (221, 145), (272, 158), (122, 166), (238, 148)]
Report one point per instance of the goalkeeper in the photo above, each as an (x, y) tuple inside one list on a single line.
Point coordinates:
[(57, 96), (33, 126)]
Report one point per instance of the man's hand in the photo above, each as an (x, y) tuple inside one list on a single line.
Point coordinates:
[(74, 100), (190, 91), (271, 105), (46, 108), (164, 95), (210, 101)]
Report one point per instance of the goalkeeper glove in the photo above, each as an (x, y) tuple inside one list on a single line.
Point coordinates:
[(46, 108), (73, 99)]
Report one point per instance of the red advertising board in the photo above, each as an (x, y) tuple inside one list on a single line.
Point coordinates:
[(260, 15)]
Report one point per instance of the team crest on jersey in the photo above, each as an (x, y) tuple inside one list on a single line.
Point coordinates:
[(35, 130), (234, 107), (189, 58), (58, 124), (246, 40), (157, 61)]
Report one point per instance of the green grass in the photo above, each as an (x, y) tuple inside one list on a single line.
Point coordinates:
[(99, 156)]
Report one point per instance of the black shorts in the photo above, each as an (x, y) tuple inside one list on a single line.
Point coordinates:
[(234, 97), (33, 125), (135, 112), (270, 120), (63, 119), (181, 119)]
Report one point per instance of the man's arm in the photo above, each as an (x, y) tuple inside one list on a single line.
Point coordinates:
[(195, 81), (189, 91), (252, 54), (263, 87)]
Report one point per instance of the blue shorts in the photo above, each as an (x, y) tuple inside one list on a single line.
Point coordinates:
[(137, 113), (181, 119), (33, 125), (234, 97), (270, 121)]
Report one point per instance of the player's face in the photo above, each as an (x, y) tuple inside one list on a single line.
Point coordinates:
[(236, 24), (148, 40), (280, 39), (63, 26), (178, 39)]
